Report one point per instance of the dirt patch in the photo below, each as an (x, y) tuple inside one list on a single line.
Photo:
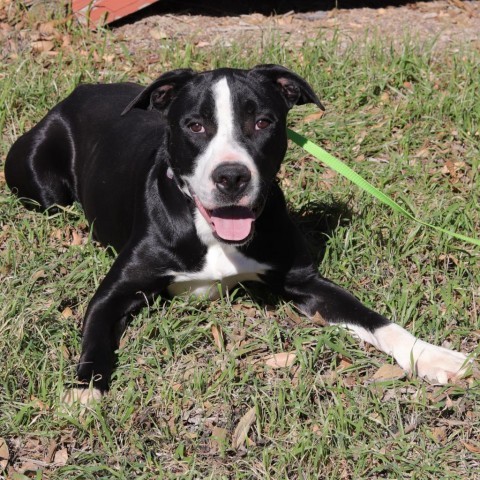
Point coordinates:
[(449, 22)]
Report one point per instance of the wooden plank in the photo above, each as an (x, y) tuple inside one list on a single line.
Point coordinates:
[(98, 12)]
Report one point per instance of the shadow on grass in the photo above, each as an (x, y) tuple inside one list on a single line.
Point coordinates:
[(317, 221)]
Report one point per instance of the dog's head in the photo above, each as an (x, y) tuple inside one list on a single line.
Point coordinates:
[(227, 137)]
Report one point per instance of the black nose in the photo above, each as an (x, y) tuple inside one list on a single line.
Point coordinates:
[(231, 178)]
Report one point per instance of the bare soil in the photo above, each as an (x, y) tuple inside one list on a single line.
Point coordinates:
[(449, 22)]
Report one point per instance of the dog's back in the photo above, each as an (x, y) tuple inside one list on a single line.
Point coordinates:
[(46, 168)]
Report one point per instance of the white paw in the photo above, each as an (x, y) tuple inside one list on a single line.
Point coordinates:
[(83, 396), (436, 364)]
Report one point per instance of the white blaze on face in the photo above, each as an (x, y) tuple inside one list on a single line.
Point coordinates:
[(223, 148)]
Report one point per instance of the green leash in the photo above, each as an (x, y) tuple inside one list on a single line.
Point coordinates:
[(354, 177)]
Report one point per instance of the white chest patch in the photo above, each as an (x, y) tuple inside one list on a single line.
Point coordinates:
[(224, 268)]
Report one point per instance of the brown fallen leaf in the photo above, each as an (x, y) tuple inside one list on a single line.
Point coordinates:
[(471, 448), (280, 360), (52, 447), (76, 238), (294, 316), (344, 363), (43, 46), (316, 429), (38, 275), (319, 320), (67, 313), (47, 28), (217, 337), (4, 454), (388, 372), (219, 437), (313, 116), (158, 34), (61, 457), (439, 434), (461, 4), (241, 430)]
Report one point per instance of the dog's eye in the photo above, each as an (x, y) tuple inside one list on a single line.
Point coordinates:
[(196, 127), (262, 124)]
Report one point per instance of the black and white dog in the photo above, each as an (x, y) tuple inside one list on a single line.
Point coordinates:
[(179, 178)]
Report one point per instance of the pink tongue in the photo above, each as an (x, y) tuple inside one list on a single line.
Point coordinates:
[(232, 223)]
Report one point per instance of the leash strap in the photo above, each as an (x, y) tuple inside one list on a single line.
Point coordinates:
[(335, 164)]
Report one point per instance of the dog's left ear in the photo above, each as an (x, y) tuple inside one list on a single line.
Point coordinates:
[(295, 90), (159, 94)]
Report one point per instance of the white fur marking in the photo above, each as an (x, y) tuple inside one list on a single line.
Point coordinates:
[(436, 364), (224, 266), (222, 148), (83, 396)]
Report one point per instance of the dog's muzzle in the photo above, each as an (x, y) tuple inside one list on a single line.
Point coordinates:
[(229, 220)]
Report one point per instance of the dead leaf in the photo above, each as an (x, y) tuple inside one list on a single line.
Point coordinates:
[(109, 58), (296, 376), (66, 41), (439, 434), (319, 320), (38, 275), (76, 238), (471, 448), (294, 316), (448, 259), (241, 431), (176, 387), (43, 46), (52, 447), (313, 116), (344, 363), (217, 337), (316, 429), (172, 426), (385, 97), (388, 372), (4, 454), (47, 28), (461, 4), (158, 34), (38, 403), (280, 360), (219, 437), (61, 457), (67, 313)]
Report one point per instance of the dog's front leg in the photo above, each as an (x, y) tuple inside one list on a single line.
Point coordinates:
[(316, 296), (131, 282)]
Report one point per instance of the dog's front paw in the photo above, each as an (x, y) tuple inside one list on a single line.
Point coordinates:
[(437, 364), (82, 396)]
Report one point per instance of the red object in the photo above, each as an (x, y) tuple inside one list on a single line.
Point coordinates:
[(95, 12)]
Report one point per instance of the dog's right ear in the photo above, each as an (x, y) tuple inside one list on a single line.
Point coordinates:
[(162, 91)]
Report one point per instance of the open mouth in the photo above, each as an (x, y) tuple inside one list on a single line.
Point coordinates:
[(231, 224)]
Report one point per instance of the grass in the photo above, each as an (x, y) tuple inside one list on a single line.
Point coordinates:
[(406, 116)]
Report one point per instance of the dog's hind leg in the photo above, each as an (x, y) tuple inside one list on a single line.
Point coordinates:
[(39, 164)]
